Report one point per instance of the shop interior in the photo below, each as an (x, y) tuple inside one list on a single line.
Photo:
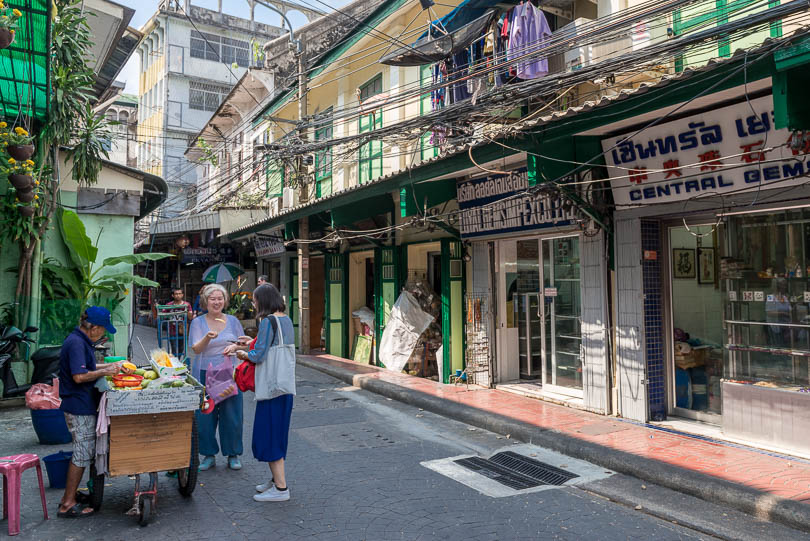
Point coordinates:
[(540, 316), (767, 276), (362, 306), (697, 321), (424, 282)]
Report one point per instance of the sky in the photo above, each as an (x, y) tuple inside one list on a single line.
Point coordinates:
[(144, 9)]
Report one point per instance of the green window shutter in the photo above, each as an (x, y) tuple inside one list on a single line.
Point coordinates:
[(426, 149), (274, 178), (323, 159), (371, 154)]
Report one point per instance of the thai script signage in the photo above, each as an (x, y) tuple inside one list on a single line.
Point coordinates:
[(211, 255), (267, 247), (498, 204), (716, 152)]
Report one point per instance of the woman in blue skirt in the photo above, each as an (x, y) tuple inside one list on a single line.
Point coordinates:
[(271, 426)]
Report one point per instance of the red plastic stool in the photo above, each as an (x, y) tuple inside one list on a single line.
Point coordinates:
[(12, 467)]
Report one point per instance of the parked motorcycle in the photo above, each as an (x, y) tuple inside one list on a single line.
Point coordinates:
[(45, 360)]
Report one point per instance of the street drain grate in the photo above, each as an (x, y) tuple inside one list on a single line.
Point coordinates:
[(516, 471)]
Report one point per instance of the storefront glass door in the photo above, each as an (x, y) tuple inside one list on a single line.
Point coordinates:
[(540, 308), (562, 314)]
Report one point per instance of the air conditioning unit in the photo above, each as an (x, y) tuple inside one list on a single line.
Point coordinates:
[(274, 206), (290, 197), (577, 57)]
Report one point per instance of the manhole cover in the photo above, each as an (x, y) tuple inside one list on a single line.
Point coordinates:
[(516, 471)]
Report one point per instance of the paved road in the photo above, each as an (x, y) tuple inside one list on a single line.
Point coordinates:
[(354, 472)]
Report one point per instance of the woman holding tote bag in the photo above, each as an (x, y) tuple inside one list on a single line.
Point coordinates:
[(274, 355)]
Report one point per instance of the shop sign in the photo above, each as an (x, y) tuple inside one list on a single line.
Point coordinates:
[(550, 292), (719, 151), (499, 204), (267, 247), (650, 255), (208, 255)]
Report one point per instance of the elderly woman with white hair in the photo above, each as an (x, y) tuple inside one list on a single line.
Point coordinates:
[(209, 335)]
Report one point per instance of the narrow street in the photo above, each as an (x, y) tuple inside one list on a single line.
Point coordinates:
[(355, 471)]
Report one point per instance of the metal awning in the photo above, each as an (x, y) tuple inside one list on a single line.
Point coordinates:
[(185, 224), (25, 64), (438, 45)]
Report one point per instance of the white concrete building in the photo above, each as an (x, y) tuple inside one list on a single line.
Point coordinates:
[(190, 59)]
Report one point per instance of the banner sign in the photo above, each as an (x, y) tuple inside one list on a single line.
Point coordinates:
[(487, 208), (267, 247), (208, 255), (717, 152)]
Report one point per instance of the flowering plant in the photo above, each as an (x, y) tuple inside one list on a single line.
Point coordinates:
[(9, 17), (16, 137), (15, 167)]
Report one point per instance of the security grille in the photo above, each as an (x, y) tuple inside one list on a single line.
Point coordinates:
[(516, 471)]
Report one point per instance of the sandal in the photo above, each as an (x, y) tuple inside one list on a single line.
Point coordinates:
[(77, 511), (83, 498)]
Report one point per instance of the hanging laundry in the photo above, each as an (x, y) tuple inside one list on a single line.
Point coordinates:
[(461, 64), (439, 76), (529, 34)]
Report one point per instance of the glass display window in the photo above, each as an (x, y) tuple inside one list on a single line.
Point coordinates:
[(767, 299)]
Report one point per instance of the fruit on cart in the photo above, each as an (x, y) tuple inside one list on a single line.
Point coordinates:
[(150, 374), (145, 383), (127, 380), (129, 366), (161, 357), (140, 372), (178, 383)]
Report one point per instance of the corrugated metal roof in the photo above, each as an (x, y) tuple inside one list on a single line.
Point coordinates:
[(182, 224)]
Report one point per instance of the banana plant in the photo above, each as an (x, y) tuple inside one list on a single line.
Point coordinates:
[(96, 283)]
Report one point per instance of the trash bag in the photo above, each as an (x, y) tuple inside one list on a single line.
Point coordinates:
[(408, 321), (219, 382), (42, 396)]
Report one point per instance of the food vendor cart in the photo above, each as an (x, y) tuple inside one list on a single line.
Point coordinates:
[(151, 429)]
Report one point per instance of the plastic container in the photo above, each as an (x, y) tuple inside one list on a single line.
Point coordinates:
[(115, 359), (56, 465), (50, 426)]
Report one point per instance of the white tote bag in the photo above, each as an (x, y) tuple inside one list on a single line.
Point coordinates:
[(276, 375)]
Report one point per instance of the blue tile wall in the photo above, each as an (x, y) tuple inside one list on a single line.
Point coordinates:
[(653, 320)]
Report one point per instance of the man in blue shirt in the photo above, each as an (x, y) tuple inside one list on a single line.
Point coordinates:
[(77, 377)]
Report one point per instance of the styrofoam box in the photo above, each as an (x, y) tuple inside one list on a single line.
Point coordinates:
[(186, 398), (177, 368)]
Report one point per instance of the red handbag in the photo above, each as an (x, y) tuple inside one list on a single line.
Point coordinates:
[(245, 376)]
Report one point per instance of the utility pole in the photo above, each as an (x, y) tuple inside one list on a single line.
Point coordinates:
[(303, 189), (303, 223)]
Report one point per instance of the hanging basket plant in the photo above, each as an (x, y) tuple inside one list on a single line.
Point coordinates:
[(26, 196), (27, 210), (19, 173), (18, 142), (8, 24)]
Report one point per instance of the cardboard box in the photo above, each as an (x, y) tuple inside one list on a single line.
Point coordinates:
[(150, 442), (147, 401)]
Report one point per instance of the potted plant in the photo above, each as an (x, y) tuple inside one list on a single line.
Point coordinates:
[(18, 143), (19, 173), (8, 24)]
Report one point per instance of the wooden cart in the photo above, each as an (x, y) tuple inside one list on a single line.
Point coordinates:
[(151, 430)]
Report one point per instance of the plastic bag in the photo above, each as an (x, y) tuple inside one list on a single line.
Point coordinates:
[(408, 321), (42, 396), (219, 383)]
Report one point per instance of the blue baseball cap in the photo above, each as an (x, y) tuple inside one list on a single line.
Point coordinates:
[(100, 316)]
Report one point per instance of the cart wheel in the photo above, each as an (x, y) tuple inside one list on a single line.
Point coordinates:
[(96, 487), (145, 510), (187, 478)]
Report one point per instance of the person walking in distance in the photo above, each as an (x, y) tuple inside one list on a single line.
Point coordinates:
[(271, 425)]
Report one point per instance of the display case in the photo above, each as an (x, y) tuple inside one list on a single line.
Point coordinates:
[(529, 323)]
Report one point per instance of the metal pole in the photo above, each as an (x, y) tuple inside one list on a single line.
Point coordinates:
[(303, 223)]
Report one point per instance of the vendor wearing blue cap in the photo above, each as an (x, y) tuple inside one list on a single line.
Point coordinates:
[(77, 377)]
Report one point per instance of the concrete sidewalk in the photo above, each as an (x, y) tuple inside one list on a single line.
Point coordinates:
[(766, 485)]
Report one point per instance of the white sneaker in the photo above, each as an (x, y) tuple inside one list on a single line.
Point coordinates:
[(273, 495), (264, 486)]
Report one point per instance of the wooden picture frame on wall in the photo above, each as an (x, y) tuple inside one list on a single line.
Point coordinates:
[(706, 265), (683, 263)]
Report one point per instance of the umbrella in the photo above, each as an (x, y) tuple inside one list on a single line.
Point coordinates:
[(221, 272)]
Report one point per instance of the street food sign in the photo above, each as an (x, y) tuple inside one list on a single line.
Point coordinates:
[(499, 204), (208, 255), (717, 152)]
